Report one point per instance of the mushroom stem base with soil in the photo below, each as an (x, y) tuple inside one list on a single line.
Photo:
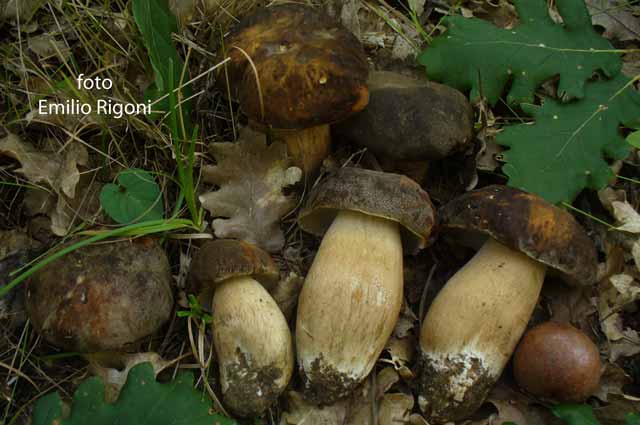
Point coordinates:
[(472, 328), (253, 345), (349, 304), (307, 147)]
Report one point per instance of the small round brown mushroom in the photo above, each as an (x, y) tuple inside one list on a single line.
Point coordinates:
[(557, 361), (352, 295), (306, 71), (250, 333), (476, 320), (409, 119), (102, 297)]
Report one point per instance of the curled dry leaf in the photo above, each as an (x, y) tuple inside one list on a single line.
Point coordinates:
[(58, 171), (115, 374), (611, 382), (616, 17), (617, 292), (358, 409), (507, 413), (627, 216), (250, 176)]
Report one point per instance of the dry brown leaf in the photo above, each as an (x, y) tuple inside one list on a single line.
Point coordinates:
[(507, 412), (627, 216), (301, 412), (611, 382), (500, 12), (183, 9), (608, 195), (401, 351), (616, 17), (24, 9), (286, 292), (45, 46), (635, 252), (631, 62), (115, 377), (395, 408), (58, 171), (615, 293), (569, 304), (251, 176), (628, 346)]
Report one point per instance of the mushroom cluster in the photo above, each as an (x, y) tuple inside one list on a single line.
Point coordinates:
[(295, 72)]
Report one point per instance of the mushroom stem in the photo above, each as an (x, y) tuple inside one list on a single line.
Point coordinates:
[(349, 304), (308, 147), (472, 329), (253, 345)]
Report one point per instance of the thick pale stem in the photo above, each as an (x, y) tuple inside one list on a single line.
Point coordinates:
[(307, 148), (472, 328), (349, 304), (253, 345)]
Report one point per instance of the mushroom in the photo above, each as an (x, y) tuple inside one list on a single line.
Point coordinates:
[(250, 333), (103, 297), (476, 320), (409, 121), (557, 361), (352, 295), (296, 70)]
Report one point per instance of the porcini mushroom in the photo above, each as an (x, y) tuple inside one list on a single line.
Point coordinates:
[(476, 320), (352, 295), (296, 70), (104, 297), (410, 121), (557, 361), (250, 333)]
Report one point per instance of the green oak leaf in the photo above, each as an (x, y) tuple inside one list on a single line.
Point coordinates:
[(562, 152), (575, 414), (474, 54), (142, 400), (135, 198)]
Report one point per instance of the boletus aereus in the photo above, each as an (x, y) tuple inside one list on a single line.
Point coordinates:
[(296, 70), (103, 297), (557, 361), (473, 325), (409, 122), (352, 295), (250, 334)]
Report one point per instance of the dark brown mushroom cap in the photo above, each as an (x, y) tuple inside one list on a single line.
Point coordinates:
[(529, 224), (409, 119), (102, 297), (391, 196), (312, 70), (223, 259), (558, 361)]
